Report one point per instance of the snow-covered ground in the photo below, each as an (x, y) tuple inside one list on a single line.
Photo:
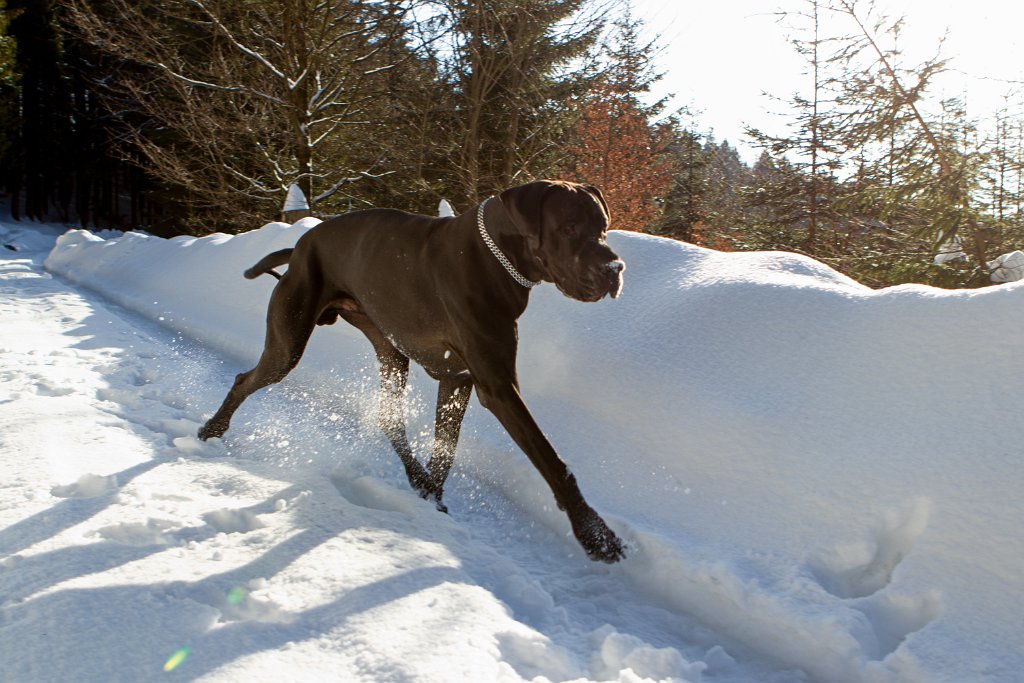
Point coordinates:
[(817, 481)]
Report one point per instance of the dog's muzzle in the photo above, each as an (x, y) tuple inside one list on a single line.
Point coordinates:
[(604, 280)]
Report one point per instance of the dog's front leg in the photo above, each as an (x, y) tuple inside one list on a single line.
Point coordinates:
[(498, 390)]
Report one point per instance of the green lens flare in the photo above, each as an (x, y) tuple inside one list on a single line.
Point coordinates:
[(236, 596), (177, 659)]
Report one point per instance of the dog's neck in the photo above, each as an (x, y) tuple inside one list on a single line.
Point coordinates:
[(496, 250)]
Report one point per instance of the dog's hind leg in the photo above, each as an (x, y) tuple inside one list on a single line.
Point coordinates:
[(452, 400), (394, 375), (291, 318)]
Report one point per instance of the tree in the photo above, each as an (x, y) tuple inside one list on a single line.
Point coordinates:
[(811, 145), (57, 151), (687, 197), (929, 165), (8, 83), (39, 175), (514, 64), (1003, 174), (231, 104), (727, 181), (875, 173), (614, 143)]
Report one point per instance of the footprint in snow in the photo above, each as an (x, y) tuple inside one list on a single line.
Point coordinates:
[(368, 492), (137, 534), (87, 486), (45, 387), (229, 521), (862, 569), (863, 572)]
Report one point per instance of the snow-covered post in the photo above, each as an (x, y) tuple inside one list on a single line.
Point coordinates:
[(1007, 268), (950, 251), (295, 205)]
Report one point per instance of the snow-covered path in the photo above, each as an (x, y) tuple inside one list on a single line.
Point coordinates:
[(124, 541), (817, 482)]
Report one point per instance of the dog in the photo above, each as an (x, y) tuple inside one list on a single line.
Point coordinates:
[(447, 294)]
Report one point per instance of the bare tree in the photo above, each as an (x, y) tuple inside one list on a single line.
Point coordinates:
[(232, 102)]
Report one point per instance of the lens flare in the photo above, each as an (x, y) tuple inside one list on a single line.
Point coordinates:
[(236, 596), (177, 659)]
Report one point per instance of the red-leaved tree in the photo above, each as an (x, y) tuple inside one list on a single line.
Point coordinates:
[(615, 148), (614, 145)]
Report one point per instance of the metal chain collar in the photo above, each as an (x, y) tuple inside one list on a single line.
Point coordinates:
[(516, 275)]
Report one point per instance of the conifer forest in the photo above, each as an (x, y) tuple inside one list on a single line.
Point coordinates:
[(186, 116)]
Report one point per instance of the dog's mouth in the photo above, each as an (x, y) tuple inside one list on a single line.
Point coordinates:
[(607, 280)]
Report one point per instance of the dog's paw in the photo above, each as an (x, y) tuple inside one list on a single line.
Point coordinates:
[(435, 498), (607, 549), (211, 431), (600, 543)]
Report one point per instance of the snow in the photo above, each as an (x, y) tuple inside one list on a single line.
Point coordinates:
[(295, 200), (1007, 268), (950, 251), (817, 481)]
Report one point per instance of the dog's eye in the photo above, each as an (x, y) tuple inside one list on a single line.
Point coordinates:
[(570, 229)]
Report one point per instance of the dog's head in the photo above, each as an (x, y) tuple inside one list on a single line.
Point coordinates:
[(565, 225)]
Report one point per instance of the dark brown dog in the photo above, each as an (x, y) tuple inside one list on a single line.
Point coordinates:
[(445, 292)]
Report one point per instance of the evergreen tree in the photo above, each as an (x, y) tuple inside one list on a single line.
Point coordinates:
[(727, 180), (58, 156), (39, 171), (773, 218), (811, 147), (1003, 174), (686, 199), (514, 66), (8, 87)]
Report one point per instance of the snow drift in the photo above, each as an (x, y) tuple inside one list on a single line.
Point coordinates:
[(828, 474)]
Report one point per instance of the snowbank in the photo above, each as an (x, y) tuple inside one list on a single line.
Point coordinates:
[(826, 473)]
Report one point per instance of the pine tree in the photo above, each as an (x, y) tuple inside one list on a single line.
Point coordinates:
[(811, 145), (8, 86), (922, 169), (39, 177), (514, 66), (728, 182), (686, 199)]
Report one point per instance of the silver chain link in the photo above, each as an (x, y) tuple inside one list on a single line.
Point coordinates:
[(516, 275)]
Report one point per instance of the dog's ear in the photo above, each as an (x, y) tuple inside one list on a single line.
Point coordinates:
[(525, 205), (600, 197)]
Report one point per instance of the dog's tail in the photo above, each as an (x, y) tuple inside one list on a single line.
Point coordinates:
[(268, 263)]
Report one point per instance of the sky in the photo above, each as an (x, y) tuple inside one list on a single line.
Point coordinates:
[(720, 58)]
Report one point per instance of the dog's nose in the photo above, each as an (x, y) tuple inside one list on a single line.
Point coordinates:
[(615, 269)]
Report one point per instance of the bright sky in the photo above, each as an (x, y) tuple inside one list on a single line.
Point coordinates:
[(721, 55)]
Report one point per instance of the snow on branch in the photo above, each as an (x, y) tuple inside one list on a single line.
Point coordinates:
[(234, 41), (363, 175)]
